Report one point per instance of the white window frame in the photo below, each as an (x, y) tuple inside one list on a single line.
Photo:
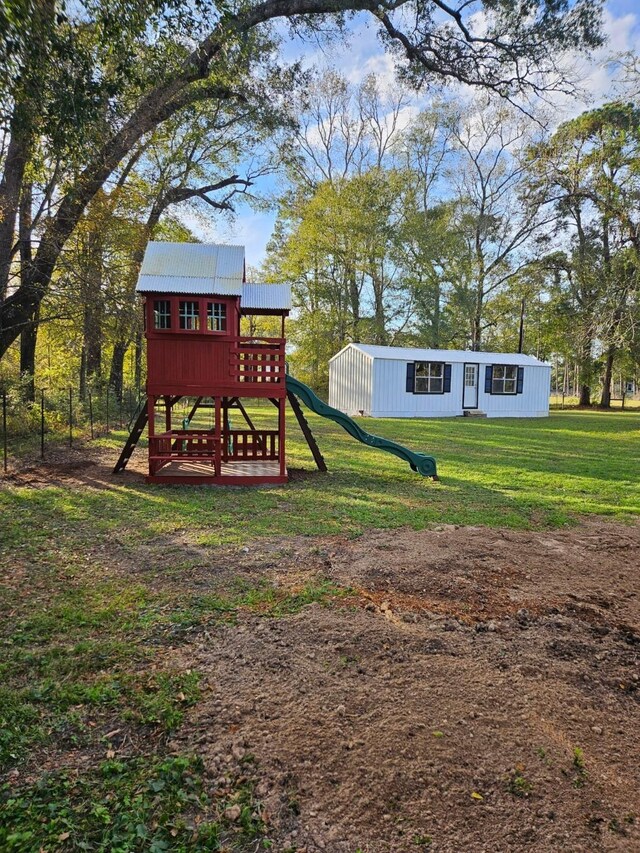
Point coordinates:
[(430, 378)]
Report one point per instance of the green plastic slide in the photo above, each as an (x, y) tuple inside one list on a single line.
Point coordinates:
[(420, 462)]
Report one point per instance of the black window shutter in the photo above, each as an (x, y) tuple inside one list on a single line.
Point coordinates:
[(520, 381), (488, 376), (447, 378), (411, 377)]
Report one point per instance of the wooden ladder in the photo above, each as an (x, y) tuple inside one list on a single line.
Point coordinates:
[(134, 437), (306, 431)]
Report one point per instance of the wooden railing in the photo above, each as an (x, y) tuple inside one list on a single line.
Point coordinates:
[(183, 444), (248, 444), (201, 446), (258, 360)]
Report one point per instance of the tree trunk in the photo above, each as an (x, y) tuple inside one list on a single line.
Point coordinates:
[(377, 279), (117, 368), (354, 299), (28, 341), (435, 325), (82, 390), (93, 308), (476, 320), (605, 399), (10, 187), (585, 396), (476, 334), (22, 132), (29, 335)]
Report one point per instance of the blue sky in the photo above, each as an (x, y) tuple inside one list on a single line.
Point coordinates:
[(364, 55)]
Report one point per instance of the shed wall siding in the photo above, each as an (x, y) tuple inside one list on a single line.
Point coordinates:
[(350, 382), (532, 403), (391, 400)]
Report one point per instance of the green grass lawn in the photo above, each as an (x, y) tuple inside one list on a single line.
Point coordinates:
[(517, 473), (83, 639)]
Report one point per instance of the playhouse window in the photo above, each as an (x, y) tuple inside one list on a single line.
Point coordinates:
[(429, 377), (189, 314), (504, 379), (216, 317), (162, 314)]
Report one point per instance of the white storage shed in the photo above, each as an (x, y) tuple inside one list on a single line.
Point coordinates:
[(398, 382)]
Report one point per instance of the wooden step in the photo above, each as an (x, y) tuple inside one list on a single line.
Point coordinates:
[(473, 413)]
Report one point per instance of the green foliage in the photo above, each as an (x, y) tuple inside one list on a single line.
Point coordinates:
[(20, 726), (336, 252), (124, 806), (518, 784), (579, 765), (50, 709)]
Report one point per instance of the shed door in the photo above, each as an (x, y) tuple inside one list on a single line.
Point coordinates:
[(470, 388)]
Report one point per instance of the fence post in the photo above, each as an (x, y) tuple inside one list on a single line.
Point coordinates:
[(42, 424), (91, 413), (107, 418), (70, 416), (4, 430)]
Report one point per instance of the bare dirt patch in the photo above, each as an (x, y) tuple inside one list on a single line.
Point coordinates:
[(476, 690)]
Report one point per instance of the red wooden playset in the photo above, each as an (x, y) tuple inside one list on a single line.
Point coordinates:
[(194, 298)]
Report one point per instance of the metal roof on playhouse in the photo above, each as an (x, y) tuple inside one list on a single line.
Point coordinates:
[(207, 268)]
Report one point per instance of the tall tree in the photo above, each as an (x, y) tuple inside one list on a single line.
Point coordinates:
[(497, 217), (145, 76), (590, 169)]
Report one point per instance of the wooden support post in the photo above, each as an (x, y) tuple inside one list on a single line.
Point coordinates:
[(306, 431), (226, 438), (218, 438), (281, 431), (151, 416)]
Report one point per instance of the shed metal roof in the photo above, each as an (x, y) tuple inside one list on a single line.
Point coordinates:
[(450, 355), (266, 297), (192, 268)]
